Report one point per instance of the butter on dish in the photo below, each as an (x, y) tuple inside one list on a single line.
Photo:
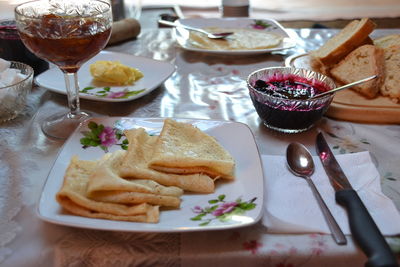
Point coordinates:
[(114, 72)]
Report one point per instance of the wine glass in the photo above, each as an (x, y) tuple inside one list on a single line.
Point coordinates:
[(67, 34)]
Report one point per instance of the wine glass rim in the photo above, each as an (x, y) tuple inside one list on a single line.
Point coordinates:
[(37, 1)]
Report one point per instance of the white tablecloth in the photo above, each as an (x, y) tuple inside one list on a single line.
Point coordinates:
[(26, 157)]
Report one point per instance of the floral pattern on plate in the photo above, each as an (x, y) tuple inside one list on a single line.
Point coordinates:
[(103, 137), (222, 210), (108, 93)]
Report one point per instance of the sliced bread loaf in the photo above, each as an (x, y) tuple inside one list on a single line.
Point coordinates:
[(391, 83), (365, 61), (350, 37), (387, 41)]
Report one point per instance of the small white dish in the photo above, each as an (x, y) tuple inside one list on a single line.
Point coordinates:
[(248, 185), (155, 72), (268, 25)]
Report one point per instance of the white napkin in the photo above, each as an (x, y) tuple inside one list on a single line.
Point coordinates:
[(290, 206)]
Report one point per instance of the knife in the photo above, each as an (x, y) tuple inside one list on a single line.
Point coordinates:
[(363, 228)]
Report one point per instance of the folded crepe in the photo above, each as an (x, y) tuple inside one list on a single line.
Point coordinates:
[(183, 148), (140, 152), (106, 184), (72, 197)]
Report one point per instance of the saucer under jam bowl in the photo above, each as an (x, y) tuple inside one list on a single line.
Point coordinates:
[(281, 95)]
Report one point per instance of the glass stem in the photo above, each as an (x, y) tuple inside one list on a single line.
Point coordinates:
[(71, 82)]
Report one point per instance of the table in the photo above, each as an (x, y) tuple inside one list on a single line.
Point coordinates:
[(218, 83), (295, 10)]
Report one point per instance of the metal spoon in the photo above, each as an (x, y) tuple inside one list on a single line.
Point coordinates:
[(345, 86), (301, 164), (218, 35)]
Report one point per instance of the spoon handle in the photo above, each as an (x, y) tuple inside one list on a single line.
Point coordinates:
[(337, 233), (173, 24), (346, 86)]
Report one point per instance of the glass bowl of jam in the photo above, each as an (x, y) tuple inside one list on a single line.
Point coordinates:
[(282, 97)]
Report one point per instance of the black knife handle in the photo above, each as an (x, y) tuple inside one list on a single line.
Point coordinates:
[(365, 231)]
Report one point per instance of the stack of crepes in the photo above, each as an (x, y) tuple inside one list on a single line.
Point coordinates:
[(154, 172)]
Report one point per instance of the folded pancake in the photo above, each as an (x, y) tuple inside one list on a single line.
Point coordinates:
[(72, 197), (126, 197), (183, 148), (106, 184), (135, 165)]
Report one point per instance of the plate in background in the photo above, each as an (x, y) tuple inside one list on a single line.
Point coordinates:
[(270, 25)]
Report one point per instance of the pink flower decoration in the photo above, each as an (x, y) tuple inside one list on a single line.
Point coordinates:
[(258, 27), (280, 245), (252, 245), (224, 208), (314, 236), (317, 251), (117, 94), (293, 251), (107, 137), (197, 209)]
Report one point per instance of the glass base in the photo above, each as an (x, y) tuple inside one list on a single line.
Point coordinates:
[(289, 131), (61, 125)]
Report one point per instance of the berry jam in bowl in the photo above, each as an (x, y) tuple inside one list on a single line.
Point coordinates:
[(281, 97)]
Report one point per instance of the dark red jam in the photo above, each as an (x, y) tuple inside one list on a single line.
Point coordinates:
[(292, 87), (289, 108)]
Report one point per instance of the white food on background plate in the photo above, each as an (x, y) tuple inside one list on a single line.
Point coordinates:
[(242, 39)]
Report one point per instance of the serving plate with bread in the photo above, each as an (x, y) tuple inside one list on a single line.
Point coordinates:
[(159, 175), (351, 55)]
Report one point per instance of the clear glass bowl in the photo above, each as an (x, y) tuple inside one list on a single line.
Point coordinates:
[(289, 115), (13, 97)]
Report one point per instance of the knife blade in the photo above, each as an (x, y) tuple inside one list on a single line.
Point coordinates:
[(363, 228)]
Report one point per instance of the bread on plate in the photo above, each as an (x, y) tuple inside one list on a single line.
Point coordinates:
[(364, 61), (353, 35), (391, 83)]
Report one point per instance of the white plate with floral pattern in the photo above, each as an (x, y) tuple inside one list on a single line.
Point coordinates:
[(233, 204), (268, 25), (155, 73)]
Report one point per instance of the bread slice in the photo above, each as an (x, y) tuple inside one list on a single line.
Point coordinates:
[(350, 37), (318, 66), (391, 83), (365, 61), (183, 148), (387, 41)]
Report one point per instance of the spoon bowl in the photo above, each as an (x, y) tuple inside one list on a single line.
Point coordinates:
[(301, 164), (299, 160)]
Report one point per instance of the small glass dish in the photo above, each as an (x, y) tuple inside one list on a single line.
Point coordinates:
[(13, 97), (290, 115)]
